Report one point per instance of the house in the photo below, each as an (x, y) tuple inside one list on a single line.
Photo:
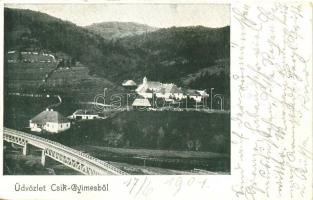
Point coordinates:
[(129, 84), (169, 91), (194, 94), (141, 103), (161, 90), (203, 93), (50, 121), (85, 114)]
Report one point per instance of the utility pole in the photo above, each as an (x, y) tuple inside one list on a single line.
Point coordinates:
[(212, 98)]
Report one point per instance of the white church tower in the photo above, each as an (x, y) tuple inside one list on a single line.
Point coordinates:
[(144, 81)]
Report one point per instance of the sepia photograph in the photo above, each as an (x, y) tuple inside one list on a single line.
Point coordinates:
[(116, 89)]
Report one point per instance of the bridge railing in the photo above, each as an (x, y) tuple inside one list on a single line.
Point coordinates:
[(89, 158)]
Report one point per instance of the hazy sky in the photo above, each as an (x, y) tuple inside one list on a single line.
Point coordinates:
[(158, 15)]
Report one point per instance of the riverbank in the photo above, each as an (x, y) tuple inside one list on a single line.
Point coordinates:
[(147, 161)]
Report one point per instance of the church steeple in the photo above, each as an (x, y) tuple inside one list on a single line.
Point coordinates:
[(145, 80)]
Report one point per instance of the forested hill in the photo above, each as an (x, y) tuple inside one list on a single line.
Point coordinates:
[(193, 56), (183, 55), (24, 29), (115, 30)]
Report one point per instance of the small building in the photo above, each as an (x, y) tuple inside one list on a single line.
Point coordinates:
[(194, 94), (50, 121), (141, 103), (129, 84), (85, 114)]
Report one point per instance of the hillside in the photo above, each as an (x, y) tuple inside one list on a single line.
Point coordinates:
[(137, 129), (35, 32), (176, 53), (29, 29), (115, 30), (187, 56), (156, 130)]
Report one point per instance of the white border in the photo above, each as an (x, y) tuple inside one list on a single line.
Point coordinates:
[(163, 187)]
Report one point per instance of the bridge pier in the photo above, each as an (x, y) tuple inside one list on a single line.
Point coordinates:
[(43, 158), (70, 157), (25, 149)]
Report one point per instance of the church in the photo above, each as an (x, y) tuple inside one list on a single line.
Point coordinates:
[(167, 91)]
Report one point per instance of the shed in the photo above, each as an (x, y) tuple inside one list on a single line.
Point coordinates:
[(139, 103)]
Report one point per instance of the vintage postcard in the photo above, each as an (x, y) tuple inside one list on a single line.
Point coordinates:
[(156, 100)]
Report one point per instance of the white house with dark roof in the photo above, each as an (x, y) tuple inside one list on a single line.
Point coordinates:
[(193, 94), (85, 114), (50, 121)]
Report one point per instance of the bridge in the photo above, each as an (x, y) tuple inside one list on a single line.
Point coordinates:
[(72, 158)]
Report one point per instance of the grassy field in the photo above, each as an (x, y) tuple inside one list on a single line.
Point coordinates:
[(178, 161), (75, 82), (17, 164), (162, 139), (182, 131), (152, 153), (147, 170)]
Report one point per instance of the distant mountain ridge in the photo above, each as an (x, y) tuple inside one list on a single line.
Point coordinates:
[(114, 30)]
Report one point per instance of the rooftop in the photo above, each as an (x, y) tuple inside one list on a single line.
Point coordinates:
[(85, 112), (142, 103), (49, 116), (150, 86), (129, 83)]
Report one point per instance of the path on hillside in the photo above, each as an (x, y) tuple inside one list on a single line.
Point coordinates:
[(46, 77), (56, 104)]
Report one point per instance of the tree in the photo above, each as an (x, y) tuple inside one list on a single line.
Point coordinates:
[(190, 145), (61, 63), (68, 64), (190, 102), (73, 62), (127, 144), (161, 134), (197, 144)]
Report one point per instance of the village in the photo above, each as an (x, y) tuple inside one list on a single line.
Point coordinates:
[(145, 96), (15, 56), (57, 118), (148, 96)]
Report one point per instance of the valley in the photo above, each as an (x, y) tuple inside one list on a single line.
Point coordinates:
[(60, 67)]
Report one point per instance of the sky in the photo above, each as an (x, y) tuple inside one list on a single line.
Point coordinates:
[(157, 15)]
